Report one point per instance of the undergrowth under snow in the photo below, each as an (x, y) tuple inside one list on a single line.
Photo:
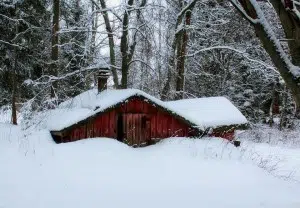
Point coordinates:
[(178, 172), (262, 133)]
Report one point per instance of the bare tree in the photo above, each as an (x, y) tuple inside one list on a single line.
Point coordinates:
[(94, 33), (124, 44), (14, 82), (111, 43), (181, 52), (178, 49), (54, 43)]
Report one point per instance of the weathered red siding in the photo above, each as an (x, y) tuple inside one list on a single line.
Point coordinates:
[(141, 122)]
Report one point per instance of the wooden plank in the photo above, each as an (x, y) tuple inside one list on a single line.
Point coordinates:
[(153, 126), (82, 132), (143, 107), (103, 126), (112, 122), (100, 127), (106, 124), (138, 126), (159, 125), (171, 127), (165, 125), (176, 128), (89, 129), (139, 130), (134, 128), (96, 127), (148, 131), (128, 106), (132, 106), (96, 134), (125, 127), (125, 123), (130, 130)]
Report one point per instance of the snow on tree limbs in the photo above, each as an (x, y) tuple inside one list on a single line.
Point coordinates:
[(252, 12)]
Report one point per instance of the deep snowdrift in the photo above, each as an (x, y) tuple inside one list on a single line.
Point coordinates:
[(35, 172)]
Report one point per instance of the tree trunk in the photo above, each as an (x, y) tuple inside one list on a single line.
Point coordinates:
[(134, 42), (283, 114), (292, 83), (54, 48), (174, 47), (111, 44), (124, 46), (291, 26), (280, 62), (171, 62), (14, 82), (274, 103), (158, 55), (93, 38), (181, 59)]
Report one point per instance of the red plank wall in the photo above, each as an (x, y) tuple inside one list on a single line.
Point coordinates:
[(162, 124)]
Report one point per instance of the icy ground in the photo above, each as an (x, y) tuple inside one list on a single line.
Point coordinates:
[(185, 173)]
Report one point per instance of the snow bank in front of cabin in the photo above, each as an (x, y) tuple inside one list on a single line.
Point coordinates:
[(210, 112), (177, 172)]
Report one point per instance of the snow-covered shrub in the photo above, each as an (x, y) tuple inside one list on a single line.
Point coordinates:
[(261, 133), (5, 114)]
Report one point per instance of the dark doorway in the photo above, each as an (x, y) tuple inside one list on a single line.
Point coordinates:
[(120, 128)]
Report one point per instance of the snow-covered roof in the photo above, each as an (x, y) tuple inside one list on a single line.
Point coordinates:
[(90, 103), (202, 112), (210, 111)]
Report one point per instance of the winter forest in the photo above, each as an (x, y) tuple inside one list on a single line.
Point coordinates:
[(64, 142), (246, 50)]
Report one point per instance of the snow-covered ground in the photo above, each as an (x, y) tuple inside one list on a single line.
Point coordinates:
[(5, 114), (178, 172)]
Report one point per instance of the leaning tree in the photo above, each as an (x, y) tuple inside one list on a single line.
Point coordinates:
[(287, 63)]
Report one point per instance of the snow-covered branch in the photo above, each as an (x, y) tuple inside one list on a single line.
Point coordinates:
[(11, 44), (242, 53), (238, 6), (295, 70)]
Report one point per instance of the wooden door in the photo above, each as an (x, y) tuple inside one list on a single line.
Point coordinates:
[(136, 129), (90, 129)]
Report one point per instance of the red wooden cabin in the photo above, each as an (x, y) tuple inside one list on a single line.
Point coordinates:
[(135, 121), (130, 116)]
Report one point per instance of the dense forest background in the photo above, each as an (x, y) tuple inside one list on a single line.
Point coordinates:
[(50, 50)]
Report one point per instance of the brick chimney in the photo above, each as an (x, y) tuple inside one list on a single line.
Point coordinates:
[(103, 75)]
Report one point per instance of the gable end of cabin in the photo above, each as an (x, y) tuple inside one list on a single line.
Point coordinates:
[(136, 121)]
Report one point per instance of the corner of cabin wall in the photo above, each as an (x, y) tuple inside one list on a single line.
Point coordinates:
[(225, 133), (56, 138)]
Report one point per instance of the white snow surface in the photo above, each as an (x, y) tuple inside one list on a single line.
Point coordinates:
[(204, 112), (210, 112), (5, 114), (178, 172), (60, 118)]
